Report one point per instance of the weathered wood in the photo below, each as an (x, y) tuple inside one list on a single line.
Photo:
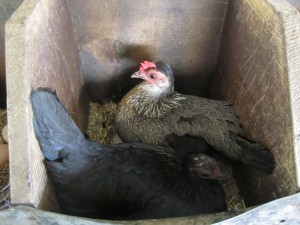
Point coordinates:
[(29, 216), (281, 211), (259, 72), (115, 36), (41, 52)]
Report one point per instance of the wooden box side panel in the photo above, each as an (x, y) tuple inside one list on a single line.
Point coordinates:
[(115, 36), (291, 21), (258, 67), (41, 52)]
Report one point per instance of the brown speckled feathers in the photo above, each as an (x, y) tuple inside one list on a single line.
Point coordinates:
[(152, 110)]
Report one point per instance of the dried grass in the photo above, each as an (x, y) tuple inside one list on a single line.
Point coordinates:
[(4, 171), (101, 119), (233, 199), (4, 187), (3, 118)]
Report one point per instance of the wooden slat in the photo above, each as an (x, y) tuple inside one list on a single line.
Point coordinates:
[(41, 52)]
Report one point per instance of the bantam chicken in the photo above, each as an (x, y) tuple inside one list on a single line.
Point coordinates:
[(152, 110), (122, 181)]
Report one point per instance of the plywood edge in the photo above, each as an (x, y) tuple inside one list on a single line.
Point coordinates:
[(18, 128), (291, 25)]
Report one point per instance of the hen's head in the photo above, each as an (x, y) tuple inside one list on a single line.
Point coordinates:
[(206, 167), (158, 76)]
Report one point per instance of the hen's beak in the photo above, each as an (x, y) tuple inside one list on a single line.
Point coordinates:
[(138, 74)]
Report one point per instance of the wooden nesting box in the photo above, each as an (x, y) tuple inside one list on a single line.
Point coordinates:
[(245, 51)]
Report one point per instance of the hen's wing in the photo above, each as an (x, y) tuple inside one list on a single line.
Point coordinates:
[(217, 123)]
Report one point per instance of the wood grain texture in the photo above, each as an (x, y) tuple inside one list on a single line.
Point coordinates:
[(41, 52), (259, 71), (115, 36)]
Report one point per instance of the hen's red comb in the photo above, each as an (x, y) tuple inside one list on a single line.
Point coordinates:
[(146, 65)]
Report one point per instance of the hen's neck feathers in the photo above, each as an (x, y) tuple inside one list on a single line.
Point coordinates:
[(142, 100)]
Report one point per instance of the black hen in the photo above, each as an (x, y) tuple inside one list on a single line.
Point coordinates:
[(210, 164), (122, 181), (152, 110)]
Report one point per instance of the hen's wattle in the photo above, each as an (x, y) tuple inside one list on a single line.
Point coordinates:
[(153, 110)]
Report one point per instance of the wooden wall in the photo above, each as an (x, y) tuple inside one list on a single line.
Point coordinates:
[(115, 36), (259, 71), (41, 51)]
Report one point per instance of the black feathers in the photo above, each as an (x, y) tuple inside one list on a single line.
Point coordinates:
[(165, 69), (123, 181)]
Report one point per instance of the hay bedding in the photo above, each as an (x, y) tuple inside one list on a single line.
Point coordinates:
[(4, 171), (100, 128), (4, 187), (101, 119)]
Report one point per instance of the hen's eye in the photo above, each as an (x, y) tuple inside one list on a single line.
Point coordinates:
[(152, 76)]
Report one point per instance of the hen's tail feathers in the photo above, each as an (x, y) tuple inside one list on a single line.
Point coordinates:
[(255, 154), (53, 126)]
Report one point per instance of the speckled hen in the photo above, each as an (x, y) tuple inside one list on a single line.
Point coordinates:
[(122, 181), (152, 110)]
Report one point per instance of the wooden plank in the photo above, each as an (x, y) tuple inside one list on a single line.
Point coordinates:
[(41, 52), (29, 216), (259, 71), (281, 211)]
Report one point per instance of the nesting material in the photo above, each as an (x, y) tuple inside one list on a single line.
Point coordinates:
[(4, 187), (101, 129), (233, 199), (3, 118), (101, 119), (4, 172)]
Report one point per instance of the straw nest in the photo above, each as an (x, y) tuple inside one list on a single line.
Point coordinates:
[(101, 129), (4, 171), (101, 119)]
